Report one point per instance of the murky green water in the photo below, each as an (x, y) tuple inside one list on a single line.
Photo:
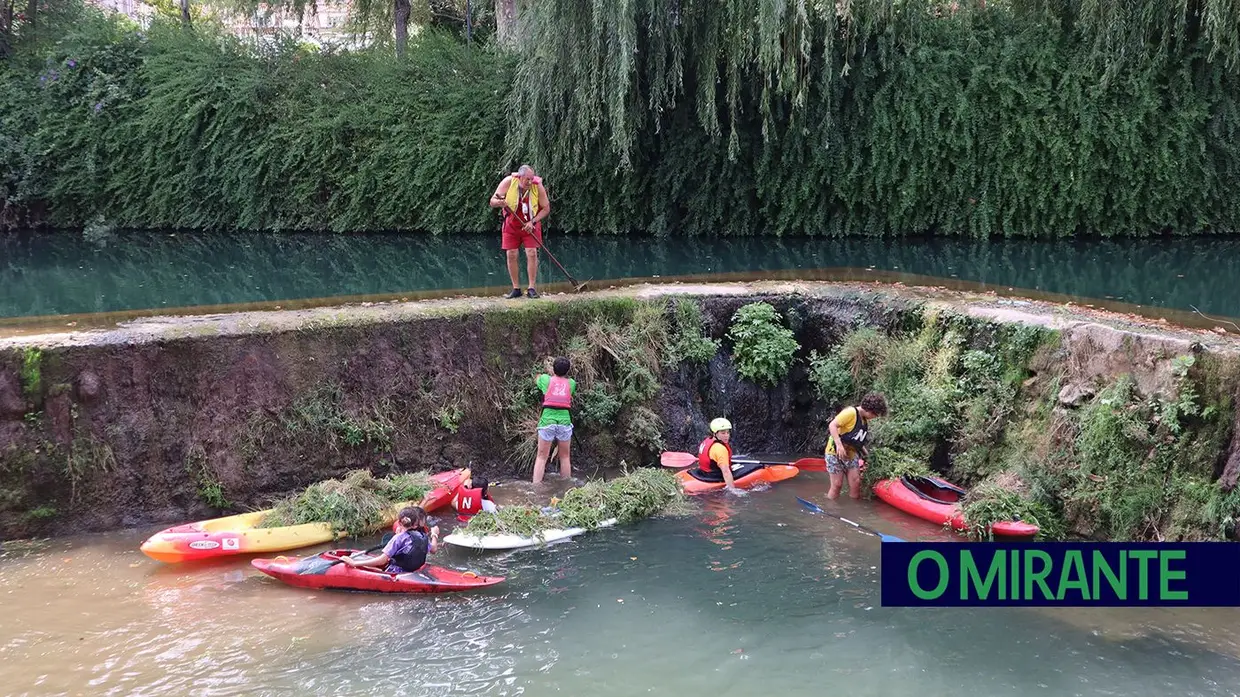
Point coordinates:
[(71, 273), (752, 596)]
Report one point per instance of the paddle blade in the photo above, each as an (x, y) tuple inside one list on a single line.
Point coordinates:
[(316, 565), (813, 508), (809, 505), (811, 464), (670, 459)]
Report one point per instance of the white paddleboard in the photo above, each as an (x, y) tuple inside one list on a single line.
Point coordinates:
[(507, 542)]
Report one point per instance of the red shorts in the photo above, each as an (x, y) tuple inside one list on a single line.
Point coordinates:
[(513, 237)]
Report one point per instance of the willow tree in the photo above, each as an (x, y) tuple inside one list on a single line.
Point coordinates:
[(607, 69), (13, 20)]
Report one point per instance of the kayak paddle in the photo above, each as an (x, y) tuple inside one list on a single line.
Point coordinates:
[(576, 286), (809, 464), (387, 537), (670, 459), (813, 508)]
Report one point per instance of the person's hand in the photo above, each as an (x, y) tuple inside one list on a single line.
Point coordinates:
[(861, 466), (435, 531), (528, 227)]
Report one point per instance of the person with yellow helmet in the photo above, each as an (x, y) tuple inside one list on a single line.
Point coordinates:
[(715, 452)]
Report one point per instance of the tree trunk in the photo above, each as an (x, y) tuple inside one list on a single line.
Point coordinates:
[(32, 13), (185, 13), (506, 21), (6, 27), (402, 11)]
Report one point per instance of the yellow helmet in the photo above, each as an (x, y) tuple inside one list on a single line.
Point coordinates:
[(720, 424)]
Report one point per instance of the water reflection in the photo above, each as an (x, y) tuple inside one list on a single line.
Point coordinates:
[(69, 273)]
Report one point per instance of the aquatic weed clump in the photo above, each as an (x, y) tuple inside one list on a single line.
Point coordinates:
[(989, 503), (358, 504), (524, 521), (887, 463), (638, 494)]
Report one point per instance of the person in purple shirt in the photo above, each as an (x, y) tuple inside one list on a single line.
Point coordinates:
[(406, 552)]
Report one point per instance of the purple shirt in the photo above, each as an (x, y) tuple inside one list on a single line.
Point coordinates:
[(407, 542)]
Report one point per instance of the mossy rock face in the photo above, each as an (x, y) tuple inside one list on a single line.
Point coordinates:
[(196, 427)]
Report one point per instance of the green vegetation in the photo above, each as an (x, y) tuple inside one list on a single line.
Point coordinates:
[(84, 458), (449, 416), (42, 513), (210, 490), (763, 349), (321, 414), (167, 128), (686, 343), (953, 117), (638, 494), (32, 375), (1005, 117), (358, 504)]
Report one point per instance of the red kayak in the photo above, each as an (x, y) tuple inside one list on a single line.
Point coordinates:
[(319, 572), (693, 481), (937, 501)]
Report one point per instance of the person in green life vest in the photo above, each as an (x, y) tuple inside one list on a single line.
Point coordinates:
[(846, 444), (556, 422)]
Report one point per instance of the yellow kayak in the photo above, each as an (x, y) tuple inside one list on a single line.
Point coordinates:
[(239, 534)]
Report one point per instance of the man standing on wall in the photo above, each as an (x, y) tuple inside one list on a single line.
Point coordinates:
[(526, 204)]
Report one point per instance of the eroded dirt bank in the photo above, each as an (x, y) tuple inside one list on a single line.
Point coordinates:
[(1106, 425)]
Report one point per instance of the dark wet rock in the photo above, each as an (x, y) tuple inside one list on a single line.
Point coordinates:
[(12, 403), (89, 387), (1076, 394)]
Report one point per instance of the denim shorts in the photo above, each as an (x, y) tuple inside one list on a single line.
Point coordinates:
[(838, 466), (556, 432)]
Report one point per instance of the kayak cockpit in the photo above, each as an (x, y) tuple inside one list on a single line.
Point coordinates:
[(716, 477), (933, 489)]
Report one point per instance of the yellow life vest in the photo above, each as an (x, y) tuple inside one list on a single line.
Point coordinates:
[(511, 201)]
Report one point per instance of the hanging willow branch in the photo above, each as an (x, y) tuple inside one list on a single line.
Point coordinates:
[(606, 69)]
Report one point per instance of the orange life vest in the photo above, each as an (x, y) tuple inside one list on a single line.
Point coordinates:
[(704, 462), (559, 393)]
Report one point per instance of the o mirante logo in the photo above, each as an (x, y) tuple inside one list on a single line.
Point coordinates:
[(1062, 573)]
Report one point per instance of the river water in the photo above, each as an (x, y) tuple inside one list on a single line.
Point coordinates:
[(749, 596), (74, 273)]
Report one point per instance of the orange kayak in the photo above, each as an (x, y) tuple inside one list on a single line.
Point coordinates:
[(241, 534), (937, 501), (694, 482)]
